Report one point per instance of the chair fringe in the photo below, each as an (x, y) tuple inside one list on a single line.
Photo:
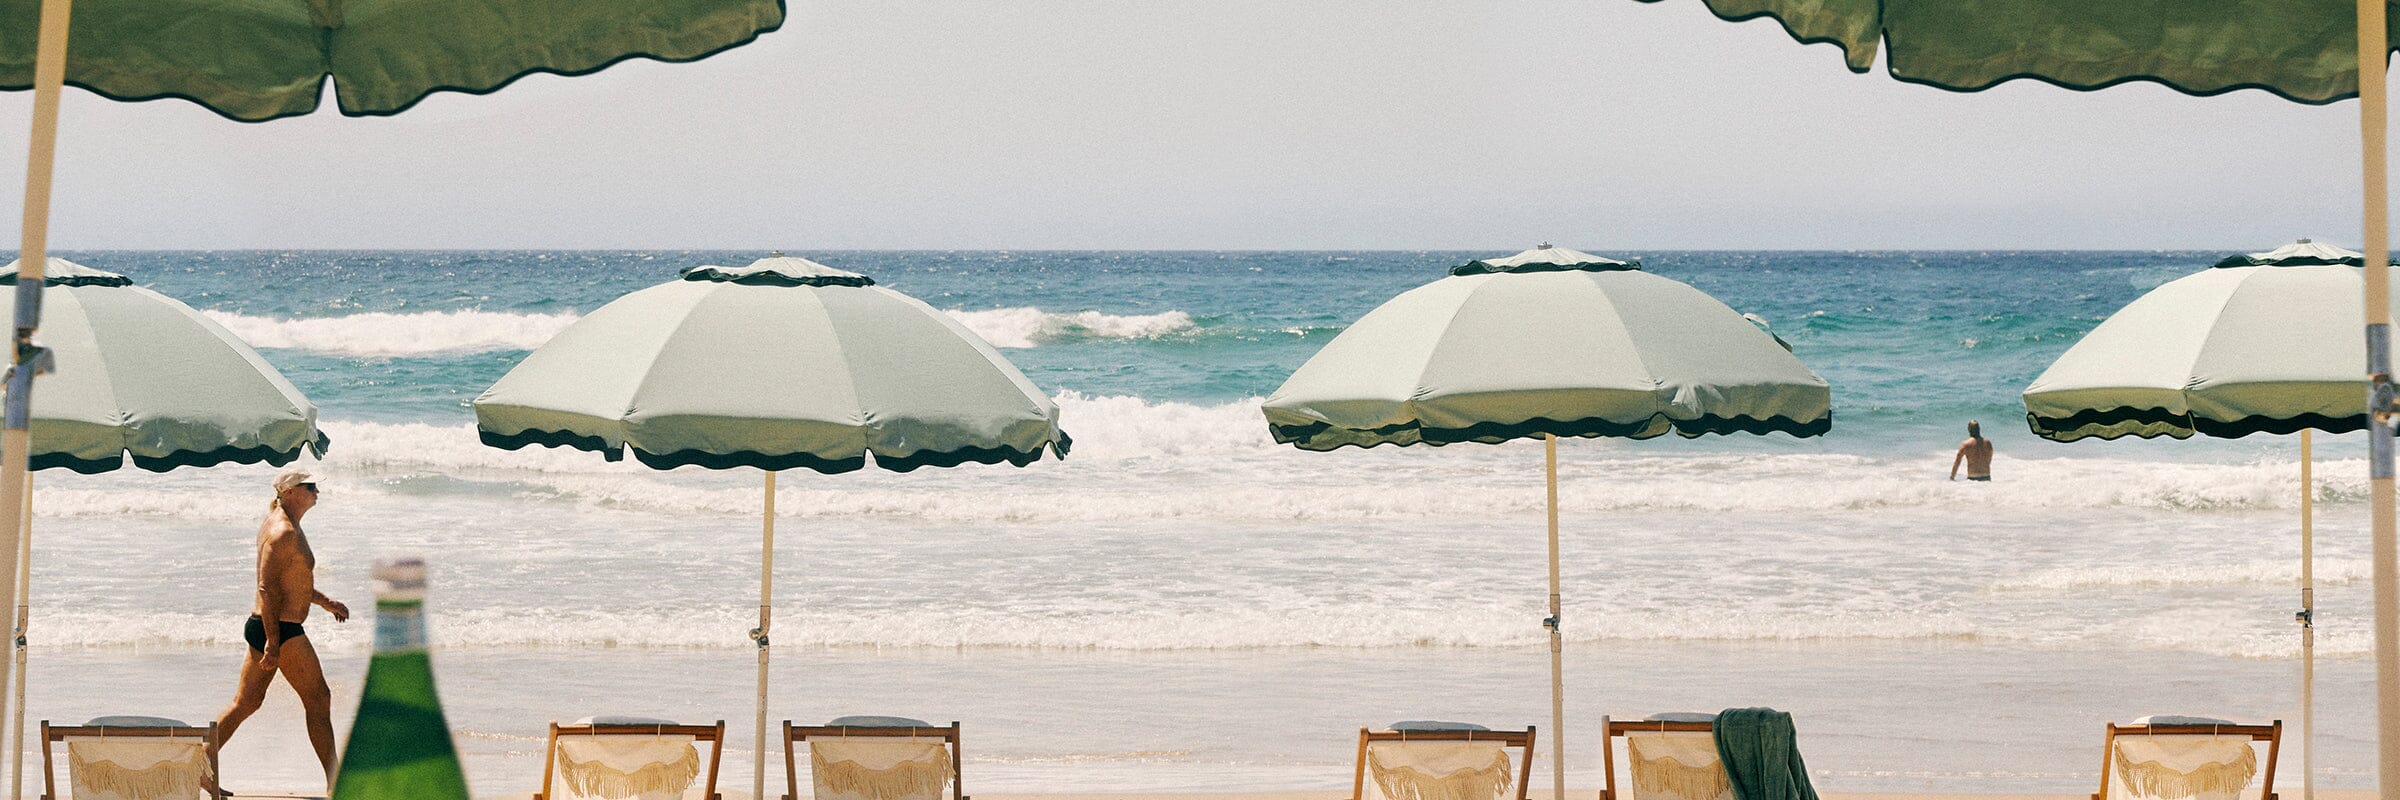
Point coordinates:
[(1472, 783), (1666, 775), (595, 779), (2153, 779), (161, 781), (907, 779)]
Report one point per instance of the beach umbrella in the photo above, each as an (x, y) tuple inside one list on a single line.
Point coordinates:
[(2308, 51), (2263, 343), (782, 364), (142, 375), (1547, 343), (263, 59)]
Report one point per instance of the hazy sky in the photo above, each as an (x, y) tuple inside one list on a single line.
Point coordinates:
[(1604, 124)]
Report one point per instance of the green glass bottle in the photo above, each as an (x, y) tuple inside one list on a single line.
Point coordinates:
[(399, 744)]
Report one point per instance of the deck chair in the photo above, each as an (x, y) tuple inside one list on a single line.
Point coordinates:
[(1667, 756), (2187, 758), (132, 758), (875, 758), (1423, 759), (629, 758)]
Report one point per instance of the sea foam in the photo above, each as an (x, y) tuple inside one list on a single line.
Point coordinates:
[(390, 335)]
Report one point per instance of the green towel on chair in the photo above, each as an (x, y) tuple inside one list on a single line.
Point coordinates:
[(1762, 755)]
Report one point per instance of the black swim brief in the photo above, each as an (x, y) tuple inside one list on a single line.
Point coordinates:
[(1984, 478), (256, 632)]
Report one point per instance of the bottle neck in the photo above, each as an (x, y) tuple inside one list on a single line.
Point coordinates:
[(399, 625)]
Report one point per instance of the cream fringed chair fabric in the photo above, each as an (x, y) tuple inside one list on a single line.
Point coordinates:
[(1441, 761), (629, 758), (2188, 758), (132, 758), (1667, 757), (875, 758)]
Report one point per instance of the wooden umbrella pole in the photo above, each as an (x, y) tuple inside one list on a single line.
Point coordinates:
[(41, 160), (16, 729), (2371, 123), (2308, 622), (1558, 684), (766, 612)]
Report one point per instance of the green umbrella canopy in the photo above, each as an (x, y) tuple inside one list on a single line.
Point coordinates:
[(140, 373), (1549, 341), (2263, 343), (782, 364), (254, 60), (2304, 50)]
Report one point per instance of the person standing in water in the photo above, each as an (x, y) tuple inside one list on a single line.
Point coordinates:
[(287, 587), (1976, 452)]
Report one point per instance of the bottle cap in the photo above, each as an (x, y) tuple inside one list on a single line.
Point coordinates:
[(400, 579)]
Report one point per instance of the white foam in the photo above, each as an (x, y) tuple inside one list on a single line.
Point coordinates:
[(386, 335), (1025, 326)]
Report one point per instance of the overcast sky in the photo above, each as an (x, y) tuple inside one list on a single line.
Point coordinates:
[(902, 124)]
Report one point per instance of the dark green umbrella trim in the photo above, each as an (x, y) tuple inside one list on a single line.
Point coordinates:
[(110, 281), (772, 278), (2301, 261), (1482, 268), (781, 14), (186, 458), (521, 440), (1321, 436), (754, 459), (2151, 423), (2080, 87)]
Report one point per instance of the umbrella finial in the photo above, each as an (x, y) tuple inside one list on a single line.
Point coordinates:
[(779, 253), (1545, 246), (2307, 241)]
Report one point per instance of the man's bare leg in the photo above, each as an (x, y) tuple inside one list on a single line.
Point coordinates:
[(246, 699), (298, 662)]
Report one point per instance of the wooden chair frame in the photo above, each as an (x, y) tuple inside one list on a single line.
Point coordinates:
[(207, 734), (2271, 733), (793, 734), (714, 735), (1520, 739), (1619, 727)]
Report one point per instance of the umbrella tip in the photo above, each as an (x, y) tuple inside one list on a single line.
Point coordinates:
[(2305, 241), (1545, 246), (779, 253)]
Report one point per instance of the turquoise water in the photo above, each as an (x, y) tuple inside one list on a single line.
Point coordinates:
[(1094, 621)]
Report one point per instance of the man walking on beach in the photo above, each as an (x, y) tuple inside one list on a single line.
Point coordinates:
[(1976, 451), (287, 586)]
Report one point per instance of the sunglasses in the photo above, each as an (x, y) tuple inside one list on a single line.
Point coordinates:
[(310, 485)]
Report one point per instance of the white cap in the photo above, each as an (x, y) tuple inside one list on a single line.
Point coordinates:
[(289, 478)]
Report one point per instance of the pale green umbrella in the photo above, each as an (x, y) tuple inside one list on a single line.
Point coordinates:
[(142, 375), (2263, 343), (2310, 51), (782, 364), (1547, 343)]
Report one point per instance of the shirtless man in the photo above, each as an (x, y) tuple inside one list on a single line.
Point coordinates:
[(1976, 451), (286, 588)]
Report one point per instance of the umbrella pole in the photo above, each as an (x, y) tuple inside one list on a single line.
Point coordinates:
[(2372, 57), (16, 730), (766, 601), (1558, 691), (41, 159), (2308, 624)]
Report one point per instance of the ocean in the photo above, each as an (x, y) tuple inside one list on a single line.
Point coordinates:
[(1183, 605)]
